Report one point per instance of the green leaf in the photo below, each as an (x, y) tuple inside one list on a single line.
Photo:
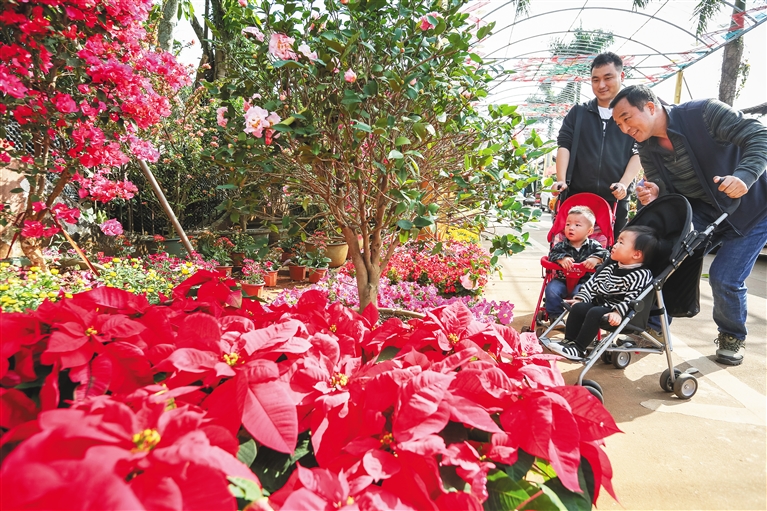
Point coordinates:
[(405, 225), (371, 88), (387, 353), (505, 492), (523, 465), (247, 452), (227, 186), (401, 141), (422, 221), (288, 64), (395, 155), (17, 190), (249, 489), (362, 127), (437, 248)]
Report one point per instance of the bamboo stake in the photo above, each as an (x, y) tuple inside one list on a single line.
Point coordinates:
[(168, 210)]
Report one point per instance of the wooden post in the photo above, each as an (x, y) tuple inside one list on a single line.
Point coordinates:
[(168, 211)]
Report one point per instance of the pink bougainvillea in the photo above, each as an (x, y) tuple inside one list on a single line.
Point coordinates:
[(111, 227)]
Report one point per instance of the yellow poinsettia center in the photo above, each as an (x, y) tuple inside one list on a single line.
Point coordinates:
[(339, 379), (91, 331), (233, 358), (453, 338), (333, 328), (387, 440), (146, 440), (349, 501)]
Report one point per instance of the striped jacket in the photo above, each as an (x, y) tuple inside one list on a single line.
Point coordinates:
[(615, 287)]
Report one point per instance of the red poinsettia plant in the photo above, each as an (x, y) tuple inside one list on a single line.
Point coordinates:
[(209, 401)]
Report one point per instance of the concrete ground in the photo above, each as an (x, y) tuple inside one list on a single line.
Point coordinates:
[(706, 453)]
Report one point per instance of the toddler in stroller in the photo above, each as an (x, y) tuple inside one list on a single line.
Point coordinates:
[(564, 269), (676, 270)]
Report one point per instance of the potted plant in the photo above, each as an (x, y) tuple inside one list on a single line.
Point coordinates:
[(219, 252), (252, 282), (334, 247), (317, 264), (244, 245), (271, 264)]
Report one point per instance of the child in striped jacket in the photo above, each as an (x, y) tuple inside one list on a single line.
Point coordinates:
[(609, 293)]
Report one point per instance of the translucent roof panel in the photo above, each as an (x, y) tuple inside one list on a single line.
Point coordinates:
[(550, 48)]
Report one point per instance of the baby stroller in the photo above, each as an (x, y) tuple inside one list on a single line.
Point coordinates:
[(603, 233), (671, 217)]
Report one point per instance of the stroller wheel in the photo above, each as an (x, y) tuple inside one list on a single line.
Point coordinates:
[(541, 317), (539, 330), (595, 389), (665, 379), (685, 386), (621, 359), (607, 357)]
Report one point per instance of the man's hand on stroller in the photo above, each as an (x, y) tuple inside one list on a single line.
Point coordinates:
[(613, 318), (558, 187), (647, 192)]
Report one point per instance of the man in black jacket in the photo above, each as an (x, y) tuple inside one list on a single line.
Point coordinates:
[(604, 161)]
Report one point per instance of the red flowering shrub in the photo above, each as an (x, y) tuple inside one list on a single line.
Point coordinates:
[(454, 267), (440, 413)]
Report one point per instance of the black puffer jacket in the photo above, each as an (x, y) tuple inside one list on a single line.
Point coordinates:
[(601, 156)]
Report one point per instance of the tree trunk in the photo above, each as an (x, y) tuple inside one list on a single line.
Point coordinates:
[(733, 51), (368, 271), (167, 24), (33, 249)]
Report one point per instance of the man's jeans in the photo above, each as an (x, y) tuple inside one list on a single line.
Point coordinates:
[(556, 292), (732, 265)]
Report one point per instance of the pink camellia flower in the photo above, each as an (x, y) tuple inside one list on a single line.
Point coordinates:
[(425, 24), (220, 119), (350, 76), (255, 32), (243, 3), (111, 227), (257, 119), (307, 52), (281, 46), (35, 229), (38, 206)]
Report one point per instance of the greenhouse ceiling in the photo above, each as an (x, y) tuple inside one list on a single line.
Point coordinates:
[(550, 46)]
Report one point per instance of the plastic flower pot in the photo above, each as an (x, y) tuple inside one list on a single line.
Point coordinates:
[(270, 279), (226, 270), (297, 272), (252, 290), (316, 274), (337, 252)]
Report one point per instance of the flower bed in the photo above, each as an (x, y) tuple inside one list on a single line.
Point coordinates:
[(157, 275), (410, 296), (454, 267), (214, 402)]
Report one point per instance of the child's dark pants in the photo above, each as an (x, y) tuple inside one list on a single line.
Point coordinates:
[(583, 323)]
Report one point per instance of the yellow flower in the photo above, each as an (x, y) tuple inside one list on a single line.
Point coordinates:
[(34, 268), (54, 271), (107, 265), (51, 294), (43, 295), (68, 295), (4, 287), (115, 259), (4, 265), (184, 271), (112, 274)]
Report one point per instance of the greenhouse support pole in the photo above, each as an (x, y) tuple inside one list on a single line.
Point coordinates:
[(678, 88), (168, 211)]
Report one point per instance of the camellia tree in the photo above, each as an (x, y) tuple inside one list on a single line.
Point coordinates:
[(369, 109), (79, 82)]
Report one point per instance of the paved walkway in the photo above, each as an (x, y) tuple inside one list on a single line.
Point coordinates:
[(706, 453)]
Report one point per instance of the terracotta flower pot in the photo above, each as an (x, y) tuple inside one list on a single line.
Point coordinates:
[(316, 274), (337, 252), (237, 258), (226, 270), (252, 290), (297, 272), (270, 279)]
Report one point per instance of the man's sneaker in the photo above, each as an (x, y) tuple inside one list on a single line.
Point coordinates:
[(729, 347), (567, 349)]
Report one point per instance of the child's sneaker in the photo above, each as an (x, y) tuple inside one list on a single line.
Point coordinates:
[(567, 349)]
